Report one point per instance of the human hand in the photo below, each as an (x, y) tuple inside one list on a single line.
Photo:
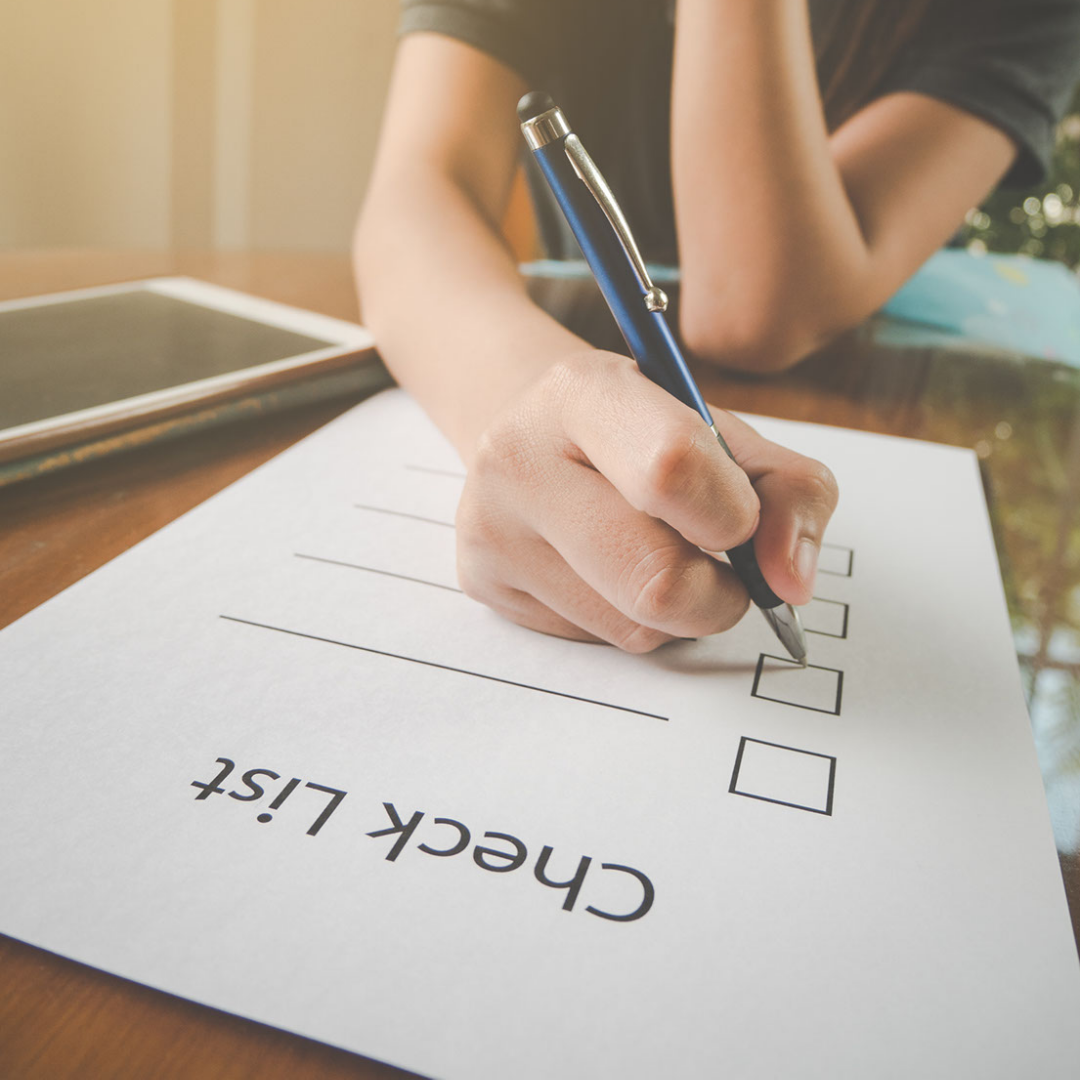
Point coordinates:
[(593, 501)]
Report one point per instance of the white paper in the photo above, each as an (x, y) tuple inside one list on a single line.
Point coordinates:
[(874, 893)]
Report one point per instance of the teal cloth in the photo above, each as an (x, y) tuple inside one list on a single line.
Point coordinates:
[(1024, 305), (1030, 306)]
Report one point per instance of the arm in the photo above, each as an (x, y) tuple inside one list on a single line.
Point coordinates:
[(788, 235), (428, 241), (592, 496)]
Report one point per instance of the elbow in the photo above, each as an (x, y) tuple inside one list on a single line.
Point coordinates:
[(765, 332), (759, 339)]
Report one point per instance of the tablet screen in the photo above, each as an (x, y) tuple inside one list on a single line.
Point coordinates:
[(62, 357)]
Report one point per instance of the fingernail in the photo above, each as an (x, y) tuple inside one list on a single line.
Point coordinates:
[(805, 561)]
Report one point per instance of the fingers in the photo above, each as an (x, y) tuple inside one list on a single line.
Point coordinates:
[(577, 547), (798, 496), (665, 462), (657, 453), (527, 611), (525, 579), (588, 504), (639, 566), (543, 593)]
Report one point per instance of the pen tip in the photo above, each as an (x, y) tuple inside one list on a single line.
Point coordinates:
[(533, 104), (784, 620)]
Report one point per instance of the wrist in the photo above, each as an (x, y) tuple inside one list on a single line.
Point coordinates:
[(491, 390)]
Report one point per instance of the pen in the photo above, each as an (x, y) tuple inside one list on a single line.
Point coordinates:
[(638, 306)]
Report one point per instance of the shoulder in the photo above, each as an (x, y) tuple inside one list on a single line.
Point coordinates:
[(1014, 63), (536, 37), (520, 33)]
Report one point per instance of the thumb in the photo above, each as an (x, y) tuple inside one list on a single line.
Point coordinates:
[(798, 498)]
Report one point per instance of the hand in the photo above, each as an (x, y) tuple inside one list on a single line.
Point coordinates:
[(593, 501)]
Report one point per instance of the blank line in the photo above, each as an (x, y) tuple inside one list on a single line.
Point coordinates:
[(436, 472), (401, 513), (445, 667), (373, 570)]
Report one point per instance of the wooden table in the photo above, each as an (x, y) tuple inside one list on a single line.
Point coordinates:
[(59, 1019)]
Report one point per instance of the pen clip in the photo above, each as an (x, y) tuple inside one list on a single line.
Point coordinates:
[(593, 179)]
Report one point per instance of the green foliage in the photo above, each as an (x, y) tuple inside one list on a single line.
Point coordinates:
[(1043, 221)]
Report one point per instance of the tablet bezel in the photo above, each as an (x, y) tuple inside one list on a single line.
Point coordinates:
[(350, 343)]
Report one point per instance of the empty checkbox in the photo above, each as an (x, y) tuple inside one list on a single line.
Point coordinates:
[(828, 617), (812, 687), (836, 559), (784, 775)]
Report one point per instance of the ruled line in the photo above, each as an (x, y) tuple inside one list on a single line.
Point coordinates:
[(401, 513), (374, 570), (436, 472), (445, 667)]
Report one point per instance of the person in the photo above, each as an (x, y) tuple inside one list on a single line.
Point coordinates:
[(799, 159)]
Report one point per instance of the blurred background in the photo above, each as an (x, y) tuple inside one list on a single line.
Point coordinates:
[(251, 124), (189, 123), (1043, 222)]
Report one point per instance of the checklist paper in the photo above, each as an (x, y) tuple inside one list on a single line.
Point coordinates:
[(273, 760)]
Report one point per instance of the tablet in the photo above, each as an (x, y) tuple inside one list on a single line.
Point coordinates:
[(82, 368)]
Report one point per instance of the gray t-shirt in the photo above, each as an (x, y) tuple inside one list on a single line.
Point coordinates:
[(607, 63)]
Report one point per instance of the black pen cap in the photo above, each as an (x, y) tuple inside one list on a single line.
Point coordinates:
[(533, 104)]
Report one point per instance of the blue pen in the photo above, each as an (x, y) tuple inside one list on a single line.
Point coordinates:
[(638, 306)]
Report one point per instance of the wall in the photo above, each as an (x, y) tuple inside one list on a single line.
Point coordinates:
[(319, 80), (189, 123), (85, 114)]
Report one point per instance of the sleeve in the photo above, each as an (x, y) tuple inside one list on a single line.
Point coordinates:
[(1014, 65), (510, 31)]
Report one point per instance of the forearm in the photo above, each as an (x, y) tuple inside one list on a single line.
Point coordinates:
[(592, 495), (446, 305), (773, 253)]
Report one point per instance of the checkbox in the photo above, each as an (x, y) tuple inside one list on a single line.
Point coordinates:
[(789, 683), (836, 559), (785, 775), (828, 617)]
